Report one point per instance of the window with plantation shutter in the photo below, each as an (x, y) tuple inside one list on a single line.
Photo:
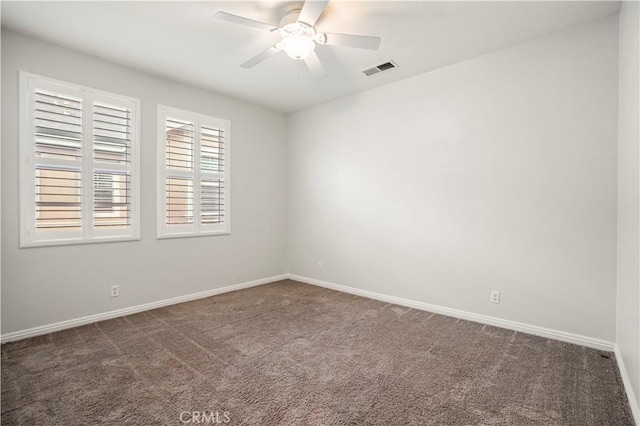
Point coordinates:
[(193, 170), (78, 170)]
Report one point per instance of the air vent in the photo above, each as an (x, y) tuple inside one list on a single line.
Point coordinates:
[(379, 68)]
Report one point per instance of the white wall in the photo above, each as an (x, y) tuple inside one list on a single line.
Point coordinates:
[(628, 315), (495, 173), (46, 285)]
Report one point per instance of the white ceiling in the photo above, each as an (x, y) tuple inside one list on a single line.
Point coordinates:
[(182, 40)]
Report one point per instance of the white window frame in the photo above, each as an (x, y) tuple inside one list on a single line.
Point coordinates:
[(195, 229), (29, 236)]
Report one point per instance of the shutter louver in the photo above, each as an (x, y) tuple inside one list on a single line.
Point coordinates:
[(212, 171), (58, 156), (58, 121), (179, 201), (180, 141), (112, 200), (58, 199), (212, 150), (111, 133), (112, 166), (212, 201)]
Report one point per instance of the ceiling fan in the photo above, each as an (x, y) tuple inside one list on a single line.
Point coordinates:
[(299, 36)]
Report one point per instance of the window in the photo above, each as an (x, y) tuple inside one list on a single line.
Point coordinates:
[(79, 164), (193, 173)]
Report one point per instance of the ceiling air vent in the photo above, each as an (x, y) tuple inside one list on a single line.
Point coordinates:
[(379, 68)]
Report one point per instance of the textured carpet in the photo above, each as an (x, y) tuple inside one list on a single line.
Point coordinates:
[(293, 354)]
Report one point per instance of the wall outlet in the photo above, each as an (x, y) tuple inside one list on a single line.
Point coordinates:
[(115, 290), (495, 296), (319, 265)]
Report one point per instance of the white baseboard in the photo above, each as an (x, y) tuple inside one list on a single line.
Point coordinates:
[(633, 402), (50, 328), (483, 319)]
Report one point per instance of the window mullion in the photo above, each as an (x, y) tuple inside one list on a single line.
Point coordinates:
[(196, 177), (212, 175), (29, 178), (163, 172), (62, 163), (161, 178), (175, 173), (87, 164), (114, 167)]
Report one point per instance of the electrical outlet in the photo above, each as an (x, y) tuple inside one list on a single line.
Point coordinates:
[(115, 290), (319, 266), (495, 296)]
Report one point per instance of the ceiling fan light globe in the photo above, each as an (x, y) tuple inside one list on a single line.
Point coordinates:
[(298, 46)]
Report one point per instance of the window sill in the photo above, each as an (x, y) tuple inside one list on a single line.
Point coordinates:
[(77, 241), (191, 235)]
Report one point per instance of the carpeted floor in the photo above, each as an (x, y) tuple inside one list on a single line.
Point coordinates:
[(294, 354)]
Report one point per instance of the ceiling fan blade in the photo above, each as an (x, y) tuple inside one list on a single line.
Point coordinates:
[(261, 57), (315, 66), (224, 16), (311, 11), (350, 40)]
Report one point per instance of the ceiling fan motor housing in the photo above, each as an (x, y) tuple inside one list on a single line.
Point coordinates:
[(298, 38)]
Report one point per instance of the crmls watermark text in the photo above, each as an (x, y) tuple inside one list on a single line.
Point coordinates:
[(208, 417)]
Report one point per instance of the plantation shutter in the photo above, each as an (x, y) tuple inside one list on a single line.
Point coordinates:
[(112, 166), (212, 189), (57, 136), (180, 142), (193, 170), (79, 173)]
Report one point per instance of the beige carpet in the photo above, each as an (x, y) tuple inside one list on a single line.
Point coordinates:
[(293, 354)]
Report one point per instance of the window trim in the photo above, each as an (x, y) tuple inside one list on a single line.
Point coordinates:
[(195, 229), (87, 166)]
